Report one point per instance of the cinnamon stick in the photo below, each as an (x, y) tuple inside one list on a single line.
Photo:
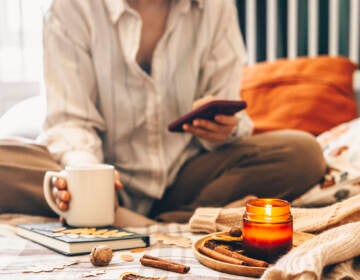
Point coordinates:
[(135, 276), (219, 256), (245, 259), (151, 261)]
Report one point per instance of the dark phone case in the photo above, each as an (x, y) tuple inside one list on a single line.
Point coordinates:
[(208, 111)]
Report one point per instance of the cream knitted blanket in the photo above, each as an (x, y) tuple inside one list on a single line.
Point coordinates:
[(330, 255), (334, 246)]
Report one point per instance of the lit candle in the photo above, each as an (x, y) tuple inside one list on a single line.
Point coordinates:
[(267, 228)]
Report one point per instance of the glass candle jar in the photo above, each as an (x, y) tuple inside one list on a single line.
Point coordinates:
[(267, 228)]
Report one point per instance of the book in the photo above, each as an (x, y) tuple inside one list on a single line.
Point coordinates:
[(75, 241)]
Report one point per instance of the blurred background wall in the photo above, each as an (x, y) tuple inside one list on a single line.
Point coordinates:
[(302, 26)]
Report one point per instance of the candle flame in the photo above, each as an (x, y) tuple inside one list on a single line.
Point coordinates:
[(268, 209)]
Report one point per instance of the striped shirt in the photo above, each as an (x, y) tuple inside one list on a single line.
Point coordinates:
[(103, 107)]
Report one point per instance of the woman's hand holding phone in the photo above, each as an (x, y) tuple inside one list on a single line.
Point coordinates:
[(216, 131), (211, 119)]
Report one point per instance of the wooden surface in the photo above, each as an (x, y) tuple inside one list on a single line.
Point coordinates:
[(242, 270)]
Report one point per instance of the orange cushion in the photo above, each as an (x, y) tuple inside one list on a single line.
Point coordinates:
[(311, 94)]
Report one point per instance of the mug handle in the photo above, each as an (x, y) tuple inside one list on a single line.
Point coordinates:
[(47, 192)]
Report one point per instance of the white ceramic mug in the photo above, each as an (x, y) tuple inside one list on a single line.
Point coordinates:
[(92, 194)]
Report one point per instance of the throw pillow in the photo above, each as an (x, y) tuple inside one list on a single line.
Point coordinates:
[(311, 94), (24, 119)]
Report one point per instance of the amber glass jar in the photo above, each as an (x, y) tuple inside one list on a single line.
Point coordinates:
[(267, 228)]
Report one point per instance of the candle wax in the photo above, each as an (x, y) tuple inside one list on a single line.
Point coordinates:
[(267, 241)]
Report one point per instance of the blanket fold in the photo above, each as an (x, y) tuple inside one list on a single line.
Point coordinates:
[(305, 219)]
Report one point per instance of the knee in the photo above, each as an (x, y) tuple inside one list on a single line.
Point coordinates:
[(301, 141), (304, 150)]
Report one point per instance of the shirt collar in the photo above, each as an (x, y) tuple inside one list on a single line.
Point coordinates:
[(117, 7)]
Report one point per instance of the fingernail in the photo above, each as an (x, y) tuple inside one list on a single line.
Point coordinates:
[(63, 206), (60, 183), (118, 185), (65, 196)]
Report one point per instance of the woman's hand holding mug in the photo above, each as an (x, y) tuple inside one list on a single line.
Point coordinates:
[(83, 195), (62, 195)]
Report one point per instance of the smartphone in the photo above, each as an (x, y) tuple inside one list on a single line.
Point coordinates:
[(208, 111)]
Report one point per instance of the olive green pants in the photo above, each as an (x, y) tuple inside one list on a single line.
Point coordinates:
[(280, 164)]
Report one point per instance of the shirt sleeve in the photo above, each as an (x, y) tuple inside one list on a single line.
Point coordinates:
[(221, 71), (73, 123)]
